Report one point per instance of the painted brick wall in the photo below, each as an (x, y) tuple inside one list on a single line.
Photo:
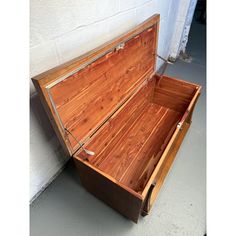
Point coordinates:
[(63, 29)]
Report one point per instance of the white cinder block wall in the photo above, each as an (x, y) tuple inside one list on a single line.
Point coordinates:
[(63, 29), (183, 22)]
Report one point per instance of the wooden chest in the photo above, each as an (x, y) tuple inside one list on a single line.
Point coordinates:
[(120, 121)]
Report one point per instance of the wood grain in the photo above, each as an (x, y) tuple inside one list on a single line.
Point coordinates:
[(142, 166), (174, 94)]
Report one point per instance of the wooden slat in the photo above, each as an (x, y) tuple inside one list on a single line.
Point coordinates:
[(168, 100), (191, 106), (174, 94), (90, 75), (175, 84)]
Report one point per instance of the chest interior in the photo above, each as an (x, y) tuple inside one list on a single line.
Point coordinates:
[(129, 145)]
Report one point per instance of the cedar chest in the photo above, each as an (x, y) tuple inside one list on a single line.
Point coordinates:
[(120, 120)]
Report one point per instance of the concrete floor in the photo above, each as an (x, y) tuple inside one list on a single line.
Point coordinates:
[(65, 208)]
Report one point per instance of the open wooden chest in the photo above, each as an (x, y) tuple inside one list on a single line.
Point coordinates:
[(120, 121)]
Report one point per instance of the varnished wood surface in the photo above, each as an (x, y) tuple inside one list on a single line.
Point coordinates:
[(164, 169), (119, 198), (131, 69), (174, 94)]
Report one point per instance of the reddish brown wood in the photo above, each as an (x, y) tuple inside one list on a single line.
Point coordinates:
[(189, 117), (174, 94), (111, 193)]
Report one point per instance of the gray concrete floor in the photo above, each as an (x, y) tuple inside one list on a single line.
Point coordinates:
[(65, 208)]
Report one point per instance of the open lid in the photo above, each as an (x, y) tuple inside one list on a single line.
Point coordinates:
[(79, 96)]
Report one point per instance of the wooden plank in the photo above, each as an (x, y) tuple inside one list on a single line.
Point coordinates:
[(175, 94), (89, 76), (177, 84)]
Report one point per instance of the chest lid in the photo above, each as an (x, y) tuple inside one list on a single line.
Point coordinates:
[(79, 96)]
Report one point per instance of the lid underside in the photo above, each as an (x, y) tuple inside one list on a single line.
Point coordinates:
[(83, 99)]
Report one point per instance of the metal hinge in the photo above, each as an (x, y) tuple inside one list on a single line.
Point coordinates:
[(179, 125), (166, 63), (90, 153), (120, 46)]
